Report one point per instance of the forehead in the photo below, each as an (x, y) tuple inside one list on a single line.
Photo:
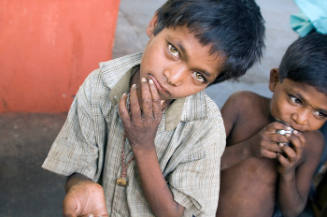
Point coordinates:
[(310, 94), (195, 53)]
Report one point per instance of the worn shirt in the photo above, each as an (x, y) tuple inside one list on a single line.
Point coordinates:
[(189, 143)]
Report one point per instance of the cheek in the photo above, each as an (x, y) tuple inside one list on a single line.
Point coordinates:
[(316, 124), (189, 89), (152, 60), (280, 109)]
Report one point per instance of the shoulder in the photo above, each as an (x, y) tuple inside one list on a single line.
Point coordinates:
[(244, 98), (243, 102), (113, 70), (96, 88), (201, 122)]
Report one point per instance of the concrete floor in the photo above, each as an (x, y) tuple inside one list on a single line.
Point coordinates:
[(27, 190)]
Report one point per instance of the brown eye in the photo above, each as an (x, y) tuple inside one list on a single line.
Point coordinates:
[(199, 77), (295, 99), (173, 51), (319, 115)]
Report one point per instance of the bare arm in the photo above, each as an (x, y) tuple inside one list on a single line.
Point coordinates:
[(154, 185), (141, 125), (234, 153), (295, 178), (259, 141)]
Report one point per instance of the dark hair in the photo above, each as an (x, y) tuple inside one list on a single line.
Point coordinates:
[(234, 28), (305, 61)]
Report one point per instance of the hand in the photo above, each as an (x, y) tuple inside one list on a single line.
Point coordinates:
[(266, 142), (85, 199), (291, 155), (142, 122)]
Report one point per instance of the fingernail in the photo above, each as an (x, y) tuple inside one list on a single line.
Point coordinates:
[(143, 80), (150, 81), (295, 132), (91, 215), (162, 102), (289, 128), (134, 86), (124, 94)]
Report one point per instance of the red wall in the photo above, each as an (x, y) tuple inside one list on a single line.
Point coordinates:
[(47, 48)]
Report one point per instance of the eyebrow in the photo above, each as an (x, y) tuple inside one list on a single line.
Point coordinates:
[(298, 95)]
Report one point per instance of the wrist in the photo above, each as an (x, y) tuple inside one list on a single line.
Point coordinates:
[(78, 180), (288, 175), (143, 149), (145, 154)]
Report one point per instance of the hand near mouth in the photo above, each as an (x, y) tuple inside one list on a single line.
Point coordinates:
[(292, 156), (142, 120)]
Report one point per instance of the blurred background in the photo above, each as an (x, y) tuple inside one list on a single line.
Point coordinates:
[(46, 51)]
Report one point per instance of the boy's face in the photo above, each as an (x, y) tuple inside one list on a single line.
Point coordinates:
[(177, 63), (300, 105)]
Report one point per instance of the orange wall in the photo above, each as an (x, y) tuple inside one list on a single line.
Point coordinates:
[(48, 47)]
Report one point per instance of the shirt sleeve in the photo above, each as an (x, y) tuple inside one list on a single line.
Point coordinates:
[(76, 148), (196, 180)]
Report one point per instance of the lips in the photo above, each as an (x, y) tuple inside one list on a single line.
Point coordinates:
[(291, 125), (161, 89)]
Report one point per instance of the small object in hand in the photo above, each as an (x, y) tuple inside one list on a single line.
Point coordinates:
[(121, 181), (282, 144), (284, 132)]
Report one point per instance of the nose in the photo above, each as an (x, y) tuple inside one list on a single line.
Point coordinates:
[(175, 74), (301, 117)]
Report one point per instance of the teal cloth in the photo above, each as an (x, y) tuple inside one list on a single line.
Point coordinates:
[(314, 16)]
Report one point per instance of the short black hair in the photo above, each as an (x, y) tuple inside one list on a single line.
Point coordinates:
[(305, 61), (234, 28)]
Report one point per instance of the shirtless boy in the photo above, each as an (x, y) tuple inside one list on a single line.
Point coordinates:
[(262, 169)]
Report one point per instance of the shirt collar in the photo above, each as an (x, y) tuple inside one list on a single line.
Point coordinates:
[(184, 109)]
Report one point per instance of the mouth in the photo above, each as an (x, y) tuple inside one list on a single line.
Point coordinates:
[(161, 89), (290, 125)]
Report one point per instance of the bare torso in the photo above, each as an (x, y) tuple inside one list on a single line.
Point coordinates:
[(249, 185), (250, 193)]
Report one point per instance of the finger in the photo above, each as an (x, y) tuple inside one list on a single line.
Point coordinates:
[(273, 147), (300, 136), (70, 209), (269, 154), (283, 160), (289, 153), (277, 138), (297, 143), (146, 100), (156, 101), (123, 111), (273, 127), (134, 105)]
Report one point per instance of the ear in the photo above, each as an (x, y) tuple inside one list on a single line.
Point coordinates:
[(274, 79), (151, 26)]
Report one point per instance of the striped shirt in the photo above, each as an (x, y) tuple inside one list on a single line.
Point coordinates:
[(189, 143)]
